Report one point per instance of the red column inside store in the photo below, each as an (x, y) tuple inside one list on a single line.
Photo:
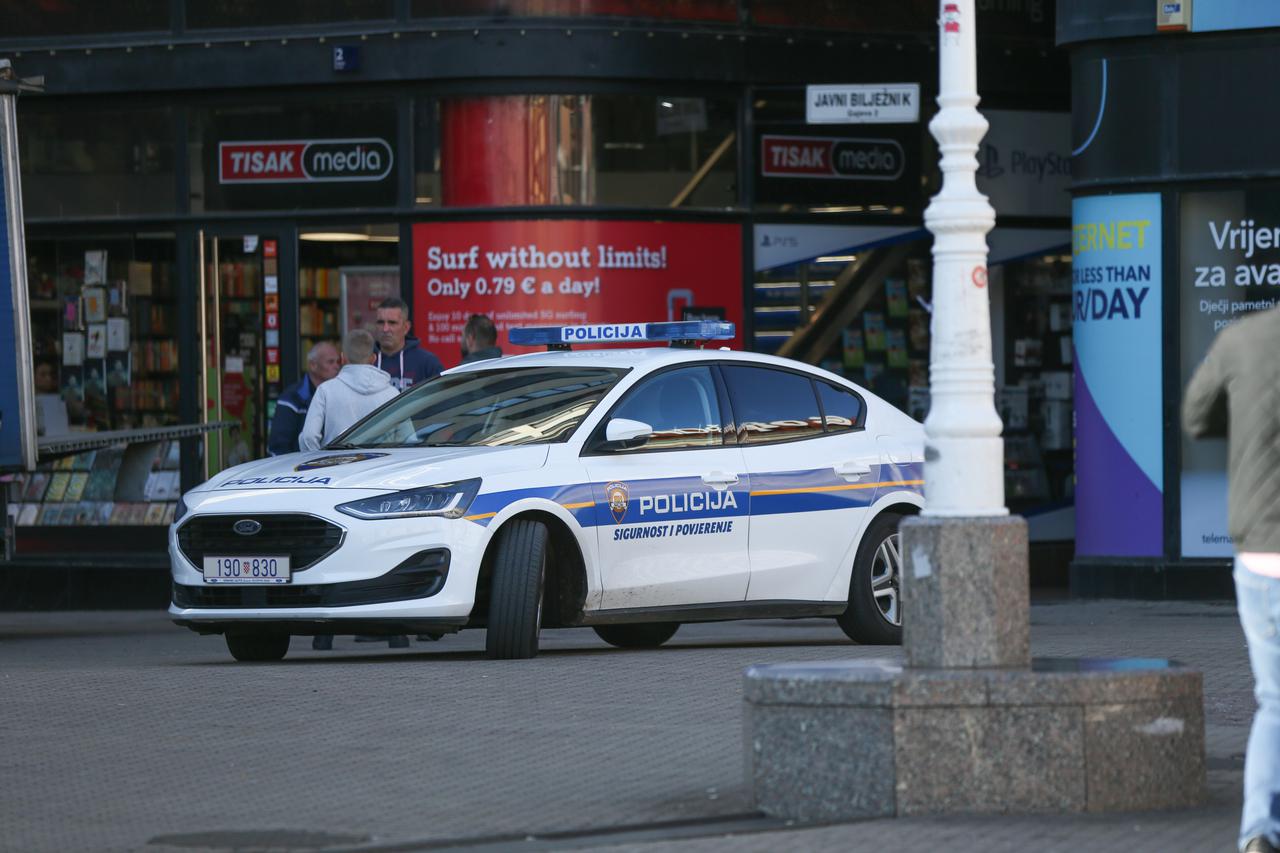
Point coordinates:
[(493, 151)]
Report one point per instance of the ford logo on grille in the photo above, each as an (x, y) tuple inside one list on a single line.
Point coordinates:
[(246, 527)]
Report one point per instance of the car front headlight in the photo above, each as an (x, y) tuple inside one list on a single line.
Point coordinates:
[(447, 500)]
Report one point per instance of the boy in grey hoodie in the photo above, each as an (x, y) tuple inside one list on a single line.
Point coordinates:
[(357, 390)]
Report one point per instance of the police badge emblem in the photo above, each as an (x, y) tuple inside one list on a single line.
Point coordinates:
[(619, 495)]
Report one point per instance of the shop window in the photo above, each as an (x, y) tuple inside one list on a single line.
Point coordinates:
[(343, 273), (103, 323), (819, 296), (219, 14), (1035, 397), (51, 18), (79, 161), (626, 150), (874, 16), (879, 170), (688, 10), (426, 152), (294, 156)]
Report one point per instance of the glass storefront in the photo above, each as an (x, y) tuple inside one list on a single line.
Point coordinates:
[(104, 321), (627, 150), (89, 161), (294, 155), (223, 14), (690, 10), (28, 19)]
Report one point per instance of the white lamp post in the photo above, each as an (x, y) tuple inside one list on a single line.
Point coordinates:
[(964, 461)]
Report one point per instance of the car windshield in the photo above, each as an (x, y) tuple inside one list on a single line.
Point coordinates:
[(494, 408)]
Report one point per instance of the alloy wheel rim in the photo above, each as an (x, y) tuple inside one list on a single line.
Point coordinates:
[(886, 579)]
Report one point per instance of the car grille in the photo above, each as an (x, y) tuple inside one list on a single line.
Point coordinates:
[(305, 539), (421, 576)]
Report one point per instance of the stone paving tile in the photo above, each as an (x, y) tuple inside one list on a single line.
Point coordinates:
[(116, 729)]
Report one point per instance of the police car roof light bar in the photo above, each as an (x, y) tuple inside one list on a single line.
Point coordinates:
[(682, 333)]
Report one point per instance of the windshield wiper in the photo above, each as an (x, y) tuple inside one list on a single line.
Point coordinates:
[(342, 446)]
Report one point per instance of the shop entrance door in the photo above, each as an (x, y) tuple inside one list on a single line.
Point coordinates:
[(240, 331)]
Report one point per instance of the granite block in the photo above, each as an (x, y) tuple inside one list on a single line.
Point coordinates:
[(940, 688), (989, 759), (820, 764), (1145, 755), (1066, 735), (1099, 684), (866, 683), (966, 593)]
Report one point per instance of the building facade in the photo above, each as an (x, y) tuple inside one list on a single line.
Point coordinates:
[(1174, 237), (212, 186)]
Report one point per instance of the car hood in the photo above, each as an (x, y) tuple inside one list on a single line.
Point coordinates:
[(383, 470)]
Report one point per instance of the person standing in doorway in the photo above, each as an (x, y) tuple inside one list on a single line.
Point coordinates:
[(398, 351), (479, 339), (291, 408), (1235, 393)]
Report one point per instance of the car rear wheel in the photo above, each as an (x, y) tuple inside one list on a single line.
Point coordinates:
[(258, 648), (515, 594), (874, 615), (646, 636)]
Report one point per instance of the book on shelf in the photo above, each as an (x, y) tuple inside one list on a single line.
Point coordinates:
[(85, 513), (28, 515), (75, 486), (37, 483), (58, 486), (155, 513), (101, 485)]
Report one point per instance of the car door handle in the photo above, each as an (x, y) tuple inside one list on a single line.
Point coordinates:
[(852, 470), (720, 479)]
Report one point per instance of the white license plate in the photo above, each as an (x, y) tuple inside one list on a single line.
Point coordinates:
[(251, 569)]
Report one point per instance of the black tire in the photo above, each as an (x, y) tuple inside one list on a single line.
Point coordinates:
[(870, 620), (649, 635), (258, 648), (515, 592)]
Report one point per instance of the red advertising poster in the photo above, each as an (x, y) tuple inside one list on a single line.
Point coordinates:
[(562, 273)]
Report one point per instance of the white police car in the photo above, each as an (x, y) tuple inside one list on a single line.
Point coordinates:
[(629, 490)]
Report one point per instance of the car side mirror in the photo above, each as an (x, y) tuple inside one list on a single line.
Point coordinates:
[(627, 433)]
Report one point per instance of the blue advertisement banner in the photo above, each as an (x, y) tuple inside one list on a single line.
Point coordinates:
[(15, 361), (1217, 15), (10, 435), (1116, 309)]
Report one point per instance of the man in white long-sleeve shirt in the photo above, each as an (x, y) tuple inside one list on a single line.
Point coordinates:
[(357, 390)]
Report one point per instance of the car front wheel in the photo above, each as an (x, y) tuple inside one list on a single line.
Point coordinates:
[(874, 615), (515, 594), (258, 648)]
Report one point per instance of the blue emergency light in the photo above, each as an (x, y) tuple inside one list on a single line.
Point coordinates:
[(684, 332)]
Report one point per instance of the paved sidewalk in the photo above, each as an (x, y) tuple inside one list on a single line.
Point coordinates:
[(121, 732)]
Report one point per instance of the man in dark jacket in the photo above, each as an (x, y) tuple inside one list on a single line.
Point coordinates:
[(398, 353), (1235, 393), (479, 339), (291, 407)]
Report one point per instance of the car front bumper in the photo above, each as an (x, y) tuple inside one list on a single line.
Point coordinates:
[(381, 572)]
